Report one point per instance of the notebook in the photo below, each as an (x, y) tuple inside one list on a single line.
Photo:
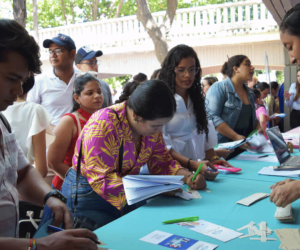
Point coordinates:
[(287, 162)]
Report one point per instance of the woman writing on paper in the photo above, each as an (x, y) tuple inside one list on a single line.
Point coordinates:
[(287, 191), (231, 104), (136, 124), (189, 136)]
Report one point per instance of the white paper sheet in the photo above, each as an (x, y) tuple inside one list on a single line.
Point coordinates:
[(271, 171), (256, 157), (212, 230), (175, 241)]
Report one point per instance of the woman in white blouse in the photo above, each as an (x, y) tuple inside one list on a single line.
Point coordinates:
[(292, 99), (29, 122), (189, 136)]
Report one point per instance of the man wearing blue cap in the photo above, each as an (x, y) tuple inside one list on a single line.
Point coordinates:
[(86, 60), (54, 89)]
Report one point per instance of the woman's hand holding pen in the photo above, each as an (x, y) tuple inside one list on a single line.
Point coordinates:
[(205, 171), (198, 183)]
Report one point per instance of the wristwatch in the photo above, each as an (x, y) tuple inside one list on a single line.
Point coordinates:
[(56, 194)]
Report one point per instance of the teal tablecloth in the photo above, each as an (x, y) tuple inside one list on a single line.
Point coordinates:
[(218, 206)]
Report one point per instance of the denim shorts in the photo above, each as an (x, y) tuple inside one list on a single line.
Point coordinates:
[(89, 203)]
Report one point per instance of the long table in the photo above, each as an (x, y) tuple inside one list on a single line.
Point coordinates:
[(217, 206)]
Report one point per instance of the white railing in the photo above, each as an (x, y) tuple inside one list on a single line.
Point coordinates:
[(217, 20)]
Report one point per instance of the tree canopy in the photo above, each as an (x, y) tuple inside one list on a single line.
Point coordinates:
[(53, 13)]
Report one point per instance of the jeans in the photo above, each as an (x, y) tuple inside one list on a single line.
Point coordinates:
[(90, 204)]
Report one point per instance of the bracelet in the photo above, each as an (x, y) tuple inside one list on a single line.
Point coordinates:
[(215, 158), (188, 164), (33, 244)]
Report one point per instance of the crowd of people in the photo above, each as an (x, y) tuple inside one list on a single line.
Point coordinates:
[(168, 125)]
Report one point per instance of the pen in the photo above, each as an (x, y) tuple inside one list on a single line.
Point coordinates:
[(262, 156), (57, 229), (187, 219), (197, 172)]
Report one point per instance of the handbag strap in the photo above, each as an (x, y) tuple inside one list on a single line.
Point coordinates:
[(78, 124), (79, 162)]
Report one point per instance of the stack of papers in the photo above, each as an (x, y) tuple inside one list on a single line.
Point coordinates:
[(271, 171), (284, 214), (290, 238), (141, 187)]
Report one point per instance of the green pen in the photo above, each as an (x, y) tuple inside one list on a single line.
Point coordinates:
[(197, 172), (187, 219)]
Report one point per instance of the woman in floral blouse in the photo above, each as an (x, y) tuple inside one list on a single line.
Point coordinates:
[(137, 123)]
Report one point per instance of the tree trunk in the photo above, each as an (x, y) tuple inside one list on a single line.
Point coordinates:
[(95, 4), (156, 34), (64, 10), (19, 7), (35, 19), (119, 9), (169, 17)]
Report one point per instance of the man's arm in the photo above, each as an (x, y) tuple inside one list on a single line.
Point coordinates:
[(33, 188)]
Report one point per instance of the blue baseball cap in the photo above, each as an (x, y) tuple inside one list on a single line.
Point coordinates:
[(85, 53), (61, 40)]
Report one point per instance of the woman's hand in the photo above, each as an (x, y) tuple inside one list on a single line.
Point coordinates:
[(209, 175), (287, 95), (281, 183), (199, 182), (284, 194), (223, 153), (245, 145), (221, 162)]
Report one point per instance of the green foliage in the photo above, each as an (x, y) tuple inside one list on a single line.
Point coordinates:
[(280, 76), (50, 12), (117, 81)]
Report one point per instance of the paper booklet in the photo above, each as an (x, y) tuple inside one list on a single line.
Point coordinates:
[(141, 187)]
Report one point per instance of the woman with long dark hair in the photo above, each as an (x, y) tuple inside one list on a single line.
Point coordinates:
[(190, 136), (292, 99), (136, 125), (87, 99), (231, 104), (287, 191)]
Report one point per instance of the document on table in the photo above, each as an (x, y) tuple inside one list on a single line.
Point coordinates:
[(141, 187), (270, 171), (290, 136), (212, 230), (176, 242), (256, 157), (233, 144)]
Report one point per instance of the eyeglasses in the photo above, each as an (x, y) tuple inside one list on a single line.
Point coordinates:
[(92, 63), (57, 51), (183, 71)]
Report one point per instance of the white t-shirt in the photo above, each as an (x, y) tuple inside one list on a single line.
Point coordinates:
[(26, 120), (12, 160), (53, 94), (291, 103), (181, 133)]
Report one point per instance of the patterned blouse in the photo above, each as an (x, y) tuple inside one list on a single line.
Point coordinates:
[(102, 137)]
